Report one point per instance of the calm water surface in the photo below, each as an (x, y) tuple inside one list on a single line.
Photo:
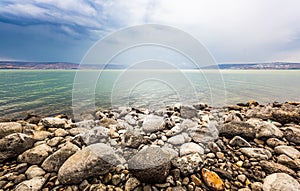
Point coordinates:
[(49, 92)]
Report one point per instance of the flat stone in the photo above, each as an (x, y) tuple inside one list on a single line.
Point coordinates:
[(53, 122), (287, 150), (272, 167), (239, 141), (14, 144), (35, 155), (93, 160), (188, 112), (176, 140), (56, 160), (258, 153), (241, 129), (274, 142), (188, 164), (287, 161), (191, 147), (7, 128), (268, 130), (285, 117), (34, 171), (34, 184), (280, 182), (150, 165), (212, 180), (153, 123)]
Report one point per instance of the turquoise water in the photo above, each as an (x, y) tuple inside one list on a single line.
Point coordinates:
[(49, 92)]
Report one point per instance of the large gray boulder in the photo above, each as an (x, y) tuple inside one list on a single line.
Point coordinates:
[(280, 182), (7, 128), (151, 165), (94, 160), (14, 144)]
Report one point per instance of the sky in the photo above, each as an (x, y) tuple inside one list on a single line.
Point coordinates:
[(233, 31)]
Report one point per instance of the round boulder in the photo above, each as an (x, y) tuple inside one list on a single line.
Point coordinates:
[(150, 165)]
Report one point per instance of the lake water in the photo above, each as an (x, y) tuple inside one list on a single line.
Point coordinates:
[(50, 92)]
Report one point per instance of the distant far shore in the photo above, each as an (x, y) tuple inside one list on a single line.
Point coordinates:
[(74, 66)]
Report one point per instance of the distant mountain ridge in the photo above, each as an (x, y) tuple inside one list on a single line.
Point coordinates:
[(70, 66)]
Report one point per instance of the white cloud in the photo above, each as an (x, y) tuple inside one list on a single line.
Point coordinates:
[(234, 31)]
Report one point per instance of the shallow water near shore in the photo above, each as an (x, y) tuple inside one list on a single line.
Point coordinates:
[(49, 92)]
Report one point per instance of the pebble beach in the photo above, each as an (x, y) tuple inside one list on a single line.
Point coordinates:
[(244, 147)]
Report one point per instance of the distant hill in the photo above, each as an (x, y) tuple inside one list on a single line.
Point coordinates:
[(52, 65), (257, 66), (70, 66)]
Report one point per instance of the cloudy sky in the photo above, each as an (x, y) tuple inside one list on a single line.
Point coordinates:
[(233, 31)]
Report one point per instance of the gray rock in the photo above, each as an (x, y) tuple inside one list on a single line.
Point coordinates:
[(287, 161), (268, 130), (188, 112), (189, 148), (292, 134), (130, 119), (288, 150), (150, 165), (170, 151), (34, 171), (274, 142), (53, 122), (177, 140), (239, 141), (280, 182), (35, 155), (133, 139), (188, 164), (153, 123), (34, 184), (242, 129), (93, 160), (56, 160), (272, 167), (96, 135), (204, 134), (14, 144), (7, 128), (258, 153)]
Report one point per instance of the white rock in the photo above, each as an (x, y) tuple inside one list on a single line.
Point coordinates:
[(189, 148), (153, 123), (34, 171), (177, 140), (280, 182), (34, 184)]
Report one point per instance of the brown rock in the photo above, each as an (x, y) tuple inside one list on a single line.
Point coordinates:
[(212, 180)]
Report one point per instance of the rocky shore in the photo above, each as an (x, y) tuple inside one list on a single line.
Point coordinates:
[(241, 147)]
